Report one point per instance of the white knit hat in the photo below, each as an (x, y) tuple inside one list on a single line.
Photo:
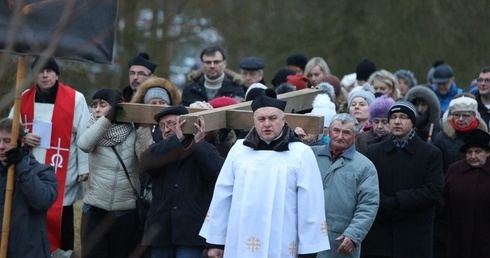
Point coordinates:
[(323, 106)]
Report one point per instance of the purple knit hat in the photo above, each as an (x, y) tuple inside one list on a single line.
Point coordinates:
[(381, 107)]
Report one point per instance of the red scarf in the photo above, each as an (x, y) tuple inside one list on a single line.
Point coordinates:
[(59, 152), (473, 125)]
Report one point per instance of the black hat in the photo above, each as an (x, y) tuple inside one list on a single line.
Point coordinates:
[(364, 69), (281, 76), (298, 60), (50, 64), (442, 74), (405, 107), (110, 95), (143, 59), (172, 110), (476, 138), (265, 101), (252, 63)]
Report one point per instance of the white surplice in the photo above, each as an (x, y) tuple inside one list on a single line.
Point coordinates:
[(268, 204)]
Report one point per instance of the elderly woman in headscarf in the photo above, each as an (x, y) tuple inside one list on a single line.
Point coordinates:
[(406, 80), (381, 129), (466, 198)]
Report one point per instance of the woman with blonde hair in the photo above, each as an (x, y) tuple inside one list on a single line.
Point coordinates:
[(316, 70), (385, 83)]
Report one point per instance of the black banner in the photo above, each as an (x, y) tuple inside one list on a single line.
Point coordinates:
[(77, 29)]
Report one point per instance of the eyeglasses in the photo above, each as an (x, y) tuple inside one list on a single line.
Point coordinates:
[(464, 116), (481, 80), (382, 121), (216, 62), (167, 124), (401, 117), (138, 74)]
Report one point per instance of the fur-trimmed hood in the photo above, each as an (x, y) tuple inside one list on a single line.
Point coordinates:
[(430, 98), (232, 75), (155, 81), (449, 130)]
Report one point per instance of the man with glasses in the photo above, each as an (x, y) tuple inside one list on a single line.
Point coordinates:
[(140, 69), (213, 80), (410, 183), (483, 94), (184, 169)]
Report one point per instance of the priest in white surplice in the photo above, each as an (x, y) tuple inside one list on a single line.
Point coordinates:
[(268, 200)]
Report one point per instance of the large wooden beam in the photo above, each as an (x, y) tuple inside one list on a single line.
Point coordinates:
[(238, 116)]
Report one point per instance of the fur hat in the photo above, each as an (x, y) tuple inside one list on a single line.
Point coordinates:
[(367, 95), (155, 81), (157, 93), (476, 138), (143, 59), (364, 69), (380, 107), (327, 88), (323, 106), (298, 80), (463, 104), (405, 107), (348, 80), (50, 64)]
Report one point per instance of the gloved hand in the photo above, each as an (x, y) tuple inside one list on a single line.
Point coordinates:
[(14, 156), (113, 101)]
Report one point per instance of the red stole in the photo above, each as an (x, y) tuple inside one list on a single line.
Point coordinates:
[(59, 152)]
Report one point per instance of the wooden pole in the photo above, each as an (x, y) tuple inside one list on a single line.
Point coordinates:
[(10, 175)]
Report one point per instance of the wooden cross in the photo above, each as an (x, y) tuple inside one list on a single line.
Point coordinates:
[(238, 116)]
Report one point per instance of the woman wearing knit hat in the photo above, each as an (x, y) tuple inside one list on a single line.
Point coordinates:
[(155, 91), (358, 105), (406, 80), (316, 70), (381, 129), (428, 110), (111, 186), (384, 82)]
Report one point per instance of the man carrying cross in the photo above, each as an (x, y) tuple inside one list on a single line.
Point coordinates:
[(273, 206)]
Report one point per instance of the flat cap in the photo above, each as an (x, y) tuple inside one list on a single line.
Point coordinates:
[(172, 110), (252, 63)]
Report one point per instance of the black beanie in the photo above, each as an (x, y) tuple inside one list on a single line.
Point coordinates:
[(364, 69), (50, 64), (110, 95), (404, 107), (281, 76), (298, 60), (143, 59)]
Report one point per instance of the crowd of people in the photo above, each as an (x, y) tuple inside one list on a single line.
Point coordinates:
[(400, 169)]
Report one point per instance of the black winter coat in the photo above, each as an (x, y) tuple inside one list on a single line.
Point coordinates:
[(410, 184), (35, 190), (183, 178), (196, 91)]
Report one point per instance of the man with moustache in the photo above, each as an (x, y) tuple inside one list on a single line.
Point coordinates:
[(140, 70)]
